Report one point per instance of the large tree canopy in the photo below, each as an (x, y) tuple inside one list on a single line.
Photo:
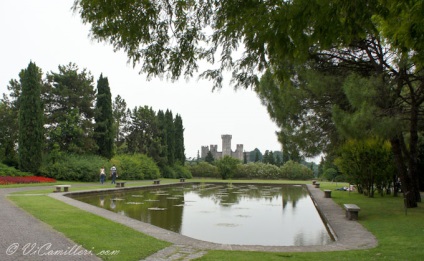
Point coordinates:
[(379, 42)]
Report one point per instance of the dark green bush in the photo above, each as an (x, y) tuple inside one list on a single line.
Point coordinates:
[(204, 170), (295, 171), (227, 166), (168, 172), (135, 167), (74, 167), (182, 172), (12, 172)]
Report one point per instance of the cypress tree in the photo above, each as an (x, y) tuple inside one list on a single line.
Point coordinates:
[(31, 134), (170, 135), (179, 140), (103, 131)]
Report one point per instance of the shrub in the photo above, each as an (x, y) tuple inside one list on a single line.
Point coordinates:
[(168, 172), (74, 167), (135, 167), (11, 171), (227, 166), (204, 170), (295, 171), (182, 171), (258, 170)]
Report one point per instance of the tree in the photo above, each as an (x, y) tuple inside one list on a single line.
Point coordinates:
[(367, 163), (179, 140), (163, 139), (227, 166), (31, 133), (8, 132), (143, 134), (209, 158), (170, 136), (103, 131), (294, 39), (120, 120), (69, 106)]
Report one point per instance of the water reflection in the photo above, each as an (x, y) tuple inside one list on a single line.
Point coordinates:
[(281, 215)]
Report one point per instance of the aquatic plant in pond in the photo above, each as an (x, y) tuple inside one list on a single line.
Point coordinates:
[(221, 213)]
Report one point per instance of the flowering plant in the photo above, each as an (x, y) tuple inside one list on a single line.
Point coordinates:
[(25, 180)]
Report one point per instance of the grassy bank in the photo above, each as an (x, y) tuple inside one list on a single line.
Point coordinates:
[(399, 233)]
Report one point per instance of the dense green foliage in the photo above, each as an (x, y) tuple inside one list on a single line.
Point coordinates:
[(204, 170), (103, 131), (31, 131), (295, 171), (182, 171), (11, 171), (368, 164), (74, 167), (120, 119), (227, 166), (179, 140), (79, 121), (258, 170), (135, 167), (69, 104)]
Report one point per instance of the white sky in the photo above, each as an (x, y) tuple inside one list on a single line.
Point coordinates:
[(48, 33)]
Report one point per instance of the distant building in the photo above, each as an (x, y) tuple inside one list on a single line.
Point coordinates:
[(226, 149)]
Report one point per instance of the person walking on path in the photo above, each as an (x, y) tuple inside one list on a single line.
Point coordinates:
[(113, 173), (102, 175)]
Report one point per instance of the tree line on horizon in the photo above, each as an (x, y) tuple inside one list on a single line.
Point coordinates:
[(64, 113)]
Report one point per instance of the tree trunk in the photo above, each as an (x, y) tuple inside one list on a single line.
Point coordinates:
[(406, 182), (413, 153)]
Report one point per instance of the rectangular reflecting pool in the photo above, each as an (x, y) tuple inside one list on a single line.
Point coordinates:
[(268, 215)]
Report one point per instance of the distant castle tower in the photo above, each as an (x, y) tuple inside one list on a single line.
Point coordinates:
[(226, 145), (226, 149)]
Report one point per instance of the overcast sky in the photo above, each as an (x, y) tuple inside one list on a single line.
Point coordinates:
[(48, 33)]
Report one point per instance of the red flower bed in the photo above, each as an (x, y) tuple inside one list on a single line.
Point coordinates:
[(25, 180)]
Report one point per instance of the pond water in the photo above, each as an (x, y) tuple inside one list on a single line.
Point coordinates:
[(277, 215)]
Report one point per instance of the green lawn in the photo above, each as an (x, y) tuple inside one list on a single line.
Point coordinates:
[(400, 234)]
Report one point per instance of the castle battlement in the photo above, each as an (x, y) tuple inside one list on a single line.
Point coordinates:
[(226, 149)]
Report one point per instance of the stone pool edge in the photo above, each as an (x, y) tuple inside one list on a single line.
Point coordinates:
[(350, 235)]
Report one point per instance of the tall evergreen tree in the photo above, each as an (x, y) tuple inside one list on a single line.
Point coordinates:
[(120, 120), (103, 132), (170, 135), (163, 139), (179, 140), (70, 110), (31, 134)]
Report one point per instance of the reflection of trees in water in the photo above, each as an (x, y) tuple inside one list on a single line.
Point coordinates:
[(293, 194), (233, 193)]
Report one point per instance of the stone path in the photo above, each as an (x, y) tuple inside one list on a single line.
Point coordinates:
[(350, 235)]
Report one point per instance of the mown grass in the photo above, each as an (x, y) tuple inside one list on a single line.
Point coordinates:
[(94, 233), (400, 233)]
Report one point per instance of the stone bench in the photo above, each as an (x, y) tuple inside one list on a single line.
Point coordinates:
[(327, 193), (317, 185), (59, 188), (352, 211), (120, 184), (156, 182), (182, 179)]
